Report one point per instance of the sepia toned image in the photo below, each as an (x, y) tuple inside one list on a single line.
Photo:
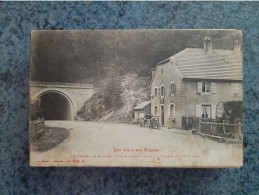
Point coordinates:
[(136, 98)]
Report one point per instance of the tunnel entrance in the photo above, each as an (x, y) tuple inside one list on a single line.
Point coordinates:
[(56, 106)]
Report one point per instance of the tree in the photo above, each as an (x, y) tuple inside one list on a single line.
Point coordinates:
[(232, 110), (112, 88)]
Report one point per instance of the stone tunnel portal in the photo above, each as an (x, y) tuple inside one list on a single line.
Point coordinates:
[(56, 106)]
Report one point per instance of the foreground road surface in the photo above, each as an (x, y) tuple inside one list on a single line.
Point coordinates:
[(104, 144)]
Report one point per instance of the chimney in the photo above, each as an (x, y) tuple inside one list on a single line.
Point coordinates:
[(207, 45), (237, 47)]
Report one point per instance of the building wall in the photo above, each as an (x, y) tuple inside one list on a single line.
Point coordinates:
[(223, 93), (147, 109), (170, 74), (136, 114), (186, 97)]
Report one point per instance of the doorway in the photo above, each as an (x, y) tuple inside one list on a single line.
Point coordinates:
[(162, 115), (155, 111)]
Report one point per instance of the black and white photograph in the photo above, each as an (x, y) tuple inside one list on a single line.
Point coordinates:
[(136, 98)]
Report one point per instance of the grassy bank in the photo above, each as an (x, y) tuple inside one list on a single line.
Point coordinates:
[(51, 138)]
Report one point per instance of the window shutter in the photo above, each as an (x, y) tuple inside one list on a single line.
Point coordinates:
[(213, 111), (158, 94), (233, 88), (199, 87), (239, 88), (213, 87), (168, 111), (170, 89), (198, 110), (173, 88)]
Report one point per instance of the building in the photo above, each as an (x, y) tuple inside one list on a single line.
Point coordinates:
[(144, 107), (192, 82)]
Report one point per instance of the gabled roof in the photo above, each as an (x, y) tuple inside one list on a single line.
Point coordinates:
[(142, 105), (194, 63)]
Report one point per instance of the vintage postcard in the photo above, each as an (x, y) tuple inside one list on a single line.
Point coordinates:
[(136, 98)]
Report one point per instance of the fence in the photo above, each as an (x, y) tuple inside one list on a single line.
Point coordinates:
[(225, 130), (36, 129)]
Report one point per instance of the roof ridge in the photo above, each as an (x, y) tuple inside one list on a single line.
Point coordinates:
[(177, 54)]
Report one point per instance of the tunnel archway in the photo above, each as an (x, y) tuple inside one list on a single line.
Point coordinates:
[(56, 106)]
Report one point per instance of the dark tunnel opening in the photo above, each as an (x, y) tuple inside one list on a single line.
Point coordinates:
[(56, 107)]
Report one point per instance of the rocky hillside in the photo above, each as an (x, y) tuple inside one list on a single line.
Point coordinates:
[(135, 90)]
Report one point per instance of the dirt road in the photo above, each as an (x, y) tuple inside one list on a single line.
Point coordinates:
[(103, 144)]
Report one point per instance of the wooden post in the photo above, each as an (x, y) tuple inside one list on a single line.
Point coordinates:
[(239, 131), (211, 128)]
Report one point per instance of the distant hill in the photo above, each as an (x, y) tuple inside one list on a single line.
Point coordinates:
[(82, 56), (135, 89)]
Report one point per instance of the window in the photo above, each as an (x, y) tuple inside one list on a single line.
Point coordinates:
[(162, 71), (206, 88), (162, 90), (162, 119), (205, 111), (171, 88), (236, 88), (155, 92)]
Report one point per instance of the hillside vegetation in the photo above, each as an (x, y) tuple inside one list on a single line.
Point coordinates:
[(109, 105)]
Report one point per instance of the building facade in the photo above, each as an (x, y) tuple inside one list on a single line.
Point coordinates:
[(144, 107), (194, 81)]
